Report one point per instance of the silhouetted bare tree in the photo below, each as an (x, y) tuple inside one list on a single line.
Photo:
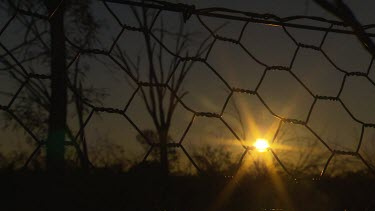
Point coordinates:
[(161, 104), (215, 160), (44, 47)]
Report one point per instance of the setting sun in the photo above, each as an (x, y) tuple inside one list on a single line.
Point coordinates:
[(261, 145)]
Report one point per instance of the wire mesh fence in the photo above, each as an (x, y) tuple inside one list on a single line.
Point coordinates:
[(155, 81)]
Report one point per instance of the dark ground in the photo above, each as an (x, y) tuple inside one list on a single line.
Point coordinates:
[(113, 191)]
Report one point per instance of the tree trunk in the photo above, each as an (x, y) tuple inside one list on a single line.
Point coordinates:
[(163, 136), (58, 105), (79, 106)]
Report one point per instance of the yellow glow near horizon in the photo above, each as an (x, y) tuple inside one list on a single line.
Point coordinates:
[(261, 145)]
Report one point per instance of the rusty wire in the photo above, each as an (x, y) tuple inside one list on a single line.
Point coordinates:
[(221, 13)]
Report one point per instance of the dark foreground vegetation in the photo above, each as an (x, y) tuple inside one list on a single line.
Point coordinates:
[(105, 190)]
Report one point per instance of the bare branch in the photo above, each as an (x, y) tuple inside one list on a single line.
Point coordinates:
[(339, 9)]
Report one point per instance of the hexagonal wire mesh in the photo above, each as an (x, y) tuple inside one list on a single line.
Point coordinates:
[(188, 12)]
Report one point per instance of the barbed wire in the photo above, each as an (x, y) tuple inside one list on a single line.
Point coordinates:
[(187, 12)]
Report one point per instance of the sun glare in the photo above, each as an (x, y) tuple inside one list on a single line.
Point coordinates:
[(261, 145)]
